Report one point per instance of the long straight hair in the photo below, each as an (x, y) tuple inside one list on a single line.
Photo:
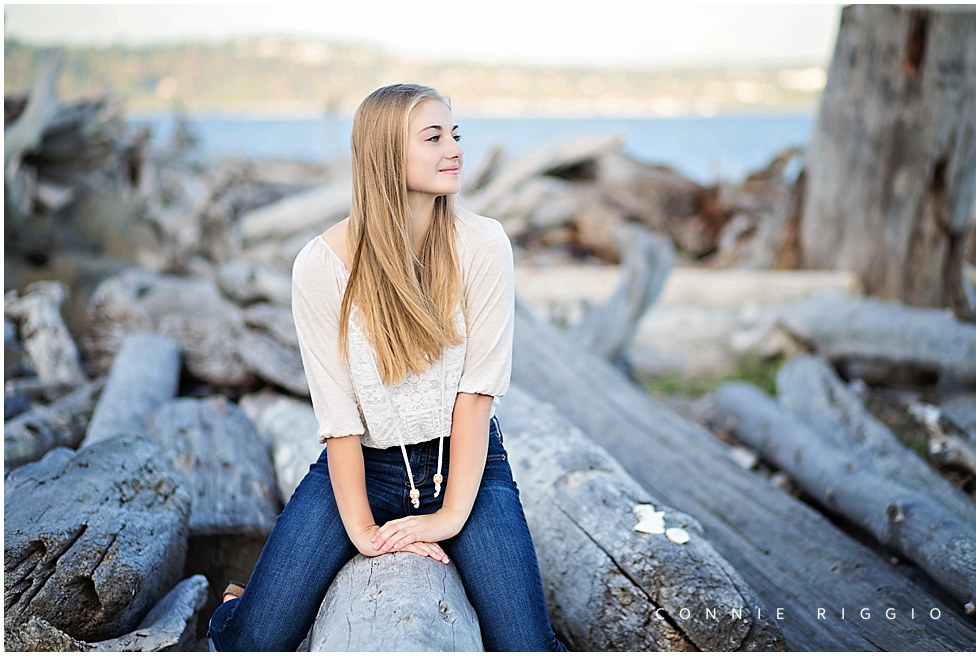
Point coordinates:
[(405, 303)]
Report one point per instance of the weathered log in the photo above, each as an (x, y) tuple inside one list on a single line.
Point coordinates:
[(268, 346), (809, 388), (891, 165), (45, 336), (772, 539), (23, 137), (539, 161), (169, 626), (870, 330), (906, 521), (192, 311), (610, 328), (611, 587), (247, 282), (144, 374), (319, 208), (92, 539), (225, 466), (396, 602), (288, 428), (32, 434)]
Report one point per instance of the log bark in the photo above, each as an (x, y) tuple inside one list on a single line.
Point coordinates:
[(288, 428), (610, 328), (214, 446), (396, 602), (865, 330), (169, 626), (32, 434), (810, 389), (891, 164), (145, 374), (610, 587), (898, 517), (792, 556), (46, 338), (92, 539)]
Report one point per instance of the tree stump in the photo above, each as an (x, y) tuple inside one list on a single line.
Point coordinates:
[(891, 165), (94, 538), (396, 602)]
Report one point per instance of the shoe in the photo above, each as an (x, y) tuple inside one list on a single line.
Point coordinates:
[(234, 587)]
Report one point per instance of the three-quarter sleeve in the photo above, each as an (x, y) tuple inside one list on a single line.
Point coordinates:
[(488, 279), (316, 299)]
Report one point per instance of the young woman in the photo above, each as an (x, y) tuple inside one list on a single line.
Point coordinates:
[(405, 317)]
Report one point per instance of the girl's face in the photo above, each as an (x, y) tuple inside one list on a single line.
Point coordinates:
[(434, 156)]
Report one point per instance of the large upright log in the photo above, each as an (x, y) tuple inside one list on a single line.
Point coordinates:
[(891, 164), (608, 586), (94, 538), (791, 555)]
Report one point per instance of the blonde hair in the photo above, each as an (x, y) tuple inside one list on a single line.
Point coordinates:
[(405, 303)]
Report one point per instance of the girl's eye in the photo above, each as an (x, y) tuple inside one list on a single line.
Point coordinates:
[(434, 137), (457, 137)]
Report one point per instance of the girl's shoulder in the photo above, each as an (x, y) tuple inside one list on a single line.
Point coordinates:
[(474, 229)]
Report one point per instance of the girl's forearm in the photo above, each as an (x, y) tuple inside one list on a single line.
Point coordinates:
[(467, 454), (345, 462)]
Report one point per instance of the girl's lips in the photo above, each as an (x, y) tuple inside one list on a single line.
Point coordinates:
[(450, 171)]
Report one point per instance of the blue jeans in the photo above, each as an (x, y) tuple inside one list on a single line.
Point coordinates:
[(308, 545)]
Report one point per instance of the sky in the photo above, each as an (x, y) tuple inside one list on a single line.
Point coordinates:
[(530, 31)]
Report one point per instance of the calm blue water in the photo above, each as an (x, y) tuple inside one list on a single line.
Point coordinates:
[(706, 149)]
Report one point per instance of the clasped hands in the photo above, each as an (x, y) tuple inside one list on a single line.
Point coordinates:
[(419, 534)]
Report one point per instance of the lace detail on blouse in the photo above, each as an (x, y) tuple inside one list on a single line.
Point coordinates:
[(415, 409)]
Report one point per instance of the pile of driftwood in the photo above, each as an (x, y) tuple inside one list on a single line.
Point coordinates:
[(146, 460)]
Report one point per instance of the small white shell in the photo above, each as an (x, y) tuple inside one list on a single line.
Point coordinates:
[(678, 535)]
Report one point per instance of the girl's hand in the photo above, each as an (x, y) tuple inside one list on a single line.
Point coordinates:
[(399, 533), (427, 549)]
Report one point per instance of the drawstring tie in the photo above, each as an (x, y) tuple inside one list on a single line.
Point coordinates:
[(413, 493)]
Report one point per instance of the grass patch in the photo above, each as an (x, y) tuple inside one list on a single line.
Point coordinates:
[(755, 370)]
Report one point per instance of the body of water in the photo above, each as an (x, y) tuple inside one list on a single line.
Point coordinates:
[(706, 149)]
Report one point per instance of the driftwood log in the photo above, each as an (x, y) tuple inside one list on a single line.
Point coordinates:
[(43, 332), (144, 374), (610, 587), (911, 523), (396, 602), (169, 626), (191, 311), (787, 552), (31, 434), (94, 538), (288, 428), (809, 388), (865, 330), (214, 446), (269, 347), (610, 328), (247, 282), (315, 209)]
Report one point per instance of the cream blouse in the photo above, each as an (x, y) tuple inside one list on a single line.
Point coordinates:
[(351, 399)]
